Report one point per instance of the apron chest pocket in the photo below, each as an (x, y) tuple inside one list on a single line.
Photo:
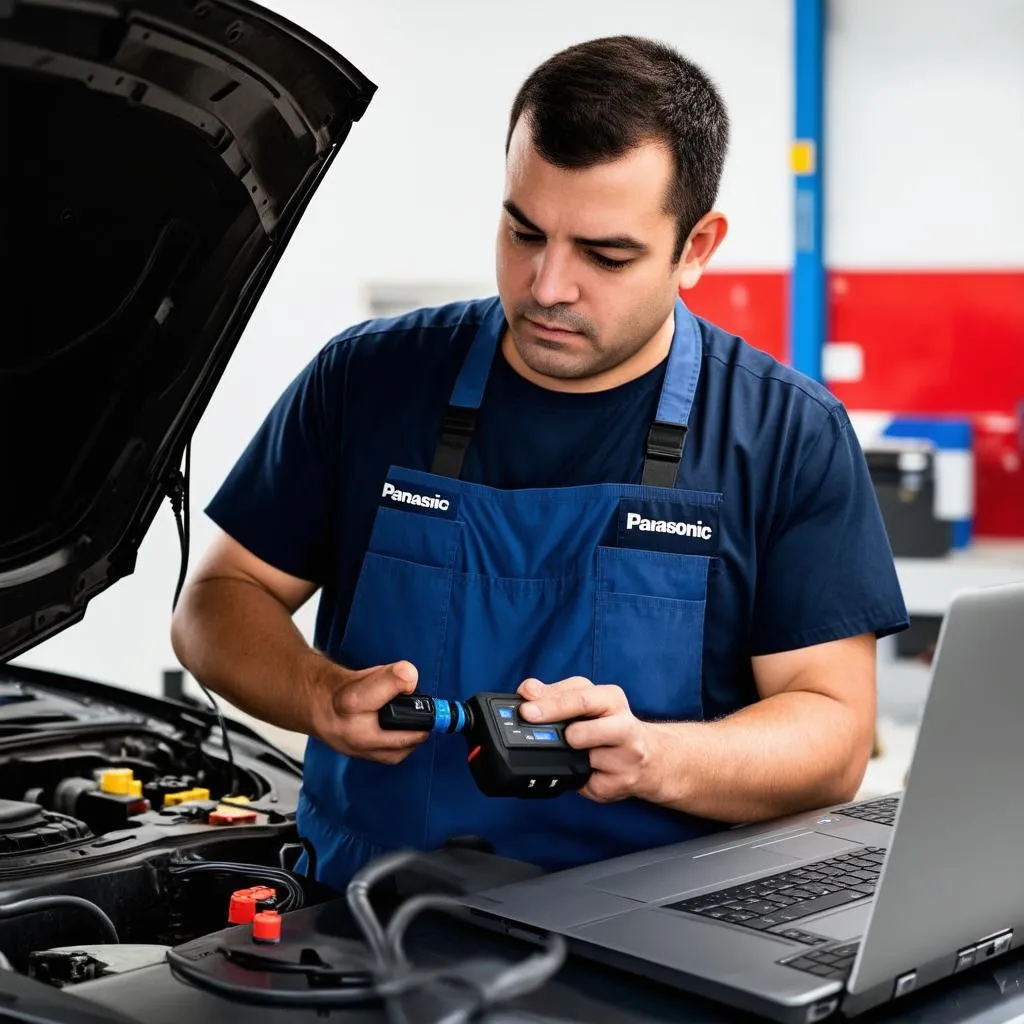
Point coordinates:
[(416, 537)]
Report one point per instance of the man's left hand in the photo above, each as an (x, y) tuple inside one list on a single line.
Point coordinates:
[(620, 746)]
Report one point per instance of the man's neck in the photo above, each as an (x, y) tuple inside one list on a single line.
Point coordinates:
[(642, 361)]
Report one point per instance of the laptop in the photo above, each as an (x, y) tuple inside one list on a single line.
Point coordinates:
[(846, 908)]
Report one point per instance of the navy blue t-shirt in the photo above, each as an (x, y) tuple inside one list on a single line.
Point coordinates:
[(803, 556)]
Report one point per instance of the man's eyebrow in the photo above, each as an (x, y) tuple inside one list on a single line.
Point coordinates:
[(611, 242)]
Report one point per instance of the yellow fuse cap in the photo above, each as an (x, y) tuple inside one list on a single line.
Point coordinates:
[(117, 781)]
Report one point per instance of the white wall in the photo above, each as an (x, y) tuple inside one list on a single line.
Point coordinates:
[(925, 139), (414, 196), (925, 134)]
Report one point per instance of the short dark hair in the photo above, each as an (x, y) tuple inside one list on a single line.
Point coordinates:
[(593, 102)]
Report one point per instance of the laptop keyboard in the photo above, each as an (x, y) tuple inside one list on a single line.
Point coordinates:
[(834, 962), (791, 895), (881, 811)]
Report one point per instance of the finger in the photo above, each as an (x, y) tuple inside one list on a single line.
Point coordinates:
[(571, 702), (610, 761), (594, 733), (379, 739), (372, 691), (530, 688), (390, 756), (570, 684), (603, 789)]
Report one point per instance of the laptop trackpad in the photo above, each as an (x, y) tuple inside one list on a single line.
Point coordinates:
[(679, 875), (806, 845)]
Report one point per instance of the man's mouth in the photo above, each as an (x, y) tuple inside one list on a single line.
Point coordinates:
[(551, 331)]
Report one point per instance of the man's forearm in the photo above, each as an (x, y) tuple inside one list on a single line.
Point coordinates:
[(787, 753), (242, 643)]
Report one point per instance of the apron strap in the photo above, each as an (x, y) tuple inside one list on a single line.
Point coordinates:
[(667, 436), (456, 432), (665, 440), (665, 444), (459, 421)]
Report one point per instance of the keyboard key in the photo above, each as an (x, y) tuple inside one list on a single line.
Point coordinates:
[(737, 917), (761, 924), (815, 906), (802, 893), (760, 909)]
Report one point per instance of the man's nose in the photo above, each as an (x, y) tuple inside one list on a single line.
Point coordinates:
[(553, 279)]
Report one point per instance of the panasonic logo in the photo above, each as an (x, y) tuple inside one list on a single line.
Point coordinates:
[(635, 521), (411, 498)]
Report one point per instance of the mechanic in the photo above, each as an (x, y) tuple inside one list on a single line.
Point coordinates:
[(707, 600)]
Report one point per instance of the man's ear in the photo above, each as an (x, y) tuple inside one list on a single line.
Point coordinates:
[(707, 235)]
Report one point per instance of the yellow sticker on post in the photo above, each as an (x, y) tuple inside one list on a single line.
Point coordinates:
[(803, 156)]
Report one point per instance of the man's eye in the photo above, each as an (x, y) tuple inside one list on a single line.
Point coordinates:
[(608, 263), (523, 238)]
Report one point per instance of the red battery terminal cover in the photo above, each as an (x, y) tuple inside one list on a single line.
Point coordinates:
[(232, 814), (266, 927), (245, 902)]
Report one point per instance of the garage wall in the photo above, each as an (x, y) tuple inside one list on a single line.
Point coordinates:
[(414, 198), (924, 124)]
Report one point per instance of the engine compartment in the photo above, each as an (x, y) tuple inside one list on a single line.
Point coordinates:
[(124, 832)]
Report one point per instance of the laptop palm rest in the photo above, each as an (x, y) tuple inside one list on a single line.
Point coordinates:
[(677, 875)]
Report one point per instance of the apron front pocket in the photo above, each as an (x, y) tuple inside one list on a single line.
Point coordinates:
[(649, 629), (399, 611), (652, 648)]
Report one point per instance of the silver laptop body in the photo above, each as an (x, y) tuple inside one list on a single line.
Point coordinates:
[(844, 908)]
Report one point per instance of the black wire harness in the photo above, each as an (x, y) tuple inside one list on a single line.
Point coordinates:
[(392, 975), (178, 495), (256, 873)]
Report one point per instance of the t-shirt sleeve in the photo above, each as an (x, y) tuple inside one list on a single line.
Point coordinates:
[(828, 570), (277, 500)]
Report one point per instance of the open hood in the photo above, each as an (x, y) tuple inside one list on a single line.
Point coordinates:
[(156, 156)]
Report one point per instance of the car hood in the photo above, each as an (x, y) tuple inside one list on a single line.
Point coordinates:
[(157, 155)]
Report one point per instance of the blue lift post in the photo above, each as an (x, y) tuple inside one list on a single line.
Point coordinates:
[(808, 296)]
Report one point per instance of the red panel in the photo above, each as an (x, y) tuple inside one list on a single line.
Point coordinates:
[(750, 304), (998, 476), (932, 342)]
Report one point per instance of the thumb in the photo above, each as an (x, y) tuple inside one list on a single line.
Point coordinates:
[(406, 676), (373, 688)]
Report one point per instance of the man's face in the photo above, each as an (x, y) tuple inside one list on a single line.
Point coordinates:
[(584, 258)]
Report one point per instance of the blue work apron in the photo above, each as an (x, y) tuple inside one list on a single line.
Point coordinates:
[(482, 588)]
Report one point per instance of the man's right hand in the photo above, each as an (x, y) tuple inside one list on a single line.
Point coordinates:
[(345, 711), (233, 630)]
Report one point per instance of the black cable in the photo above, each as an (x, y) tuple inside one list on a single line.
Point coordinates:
[(256, 872), (393, 980), (37, 904), (178, 494)]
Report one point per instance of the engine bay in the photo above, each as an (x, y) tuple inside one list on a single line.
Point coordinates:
[(126, 826)]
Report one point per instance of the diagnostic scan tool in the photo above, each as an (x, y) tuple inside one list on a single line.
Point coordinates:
[(507, 756)]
